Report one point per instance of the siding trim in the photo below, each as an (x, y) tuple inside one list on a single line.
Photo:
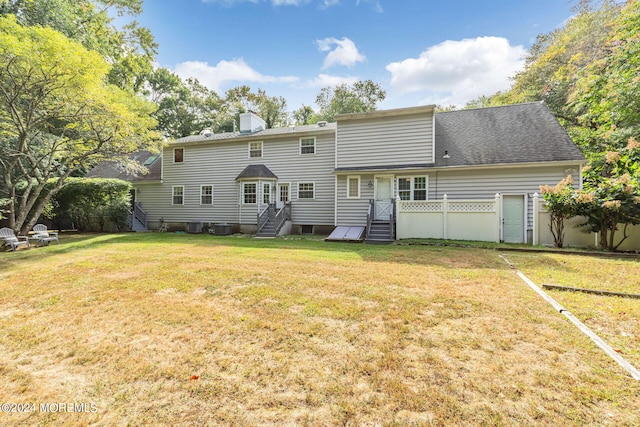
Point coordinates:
[(429, 168)]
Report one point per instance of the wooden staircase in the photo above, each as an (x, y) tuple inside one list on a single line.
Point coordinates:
[(268, 229), (137, 220), (271, 220), (380, 232)]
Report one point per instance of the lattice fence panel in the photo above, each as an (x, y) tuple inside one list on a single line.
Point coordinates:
[(420, 206), (472, 206)]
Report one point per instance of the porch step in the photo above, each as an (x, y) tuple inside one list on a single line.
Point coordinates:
[(379, 233), (268, 230), (136, 225)]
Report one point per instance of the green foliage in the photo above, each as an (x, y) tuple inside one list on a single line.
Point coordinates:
[(555, 59), (560, 203), (58, 116), (360, 97), (272, 109), (184, 107), (305, 115), (606, 99), (611, 198), (91, 203), (129, 48)]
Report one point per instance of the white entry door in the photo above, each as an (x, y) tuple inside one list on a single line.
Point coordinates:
[(283, 195), (513, 219), (383, 198)]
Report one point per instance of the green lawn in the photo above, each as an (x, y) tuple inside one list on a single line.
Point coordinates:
[(166, 329)]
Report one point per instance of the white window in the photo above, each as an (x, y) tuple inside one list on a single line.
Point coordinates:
[(178, 195), (206, 194), (412, 188), (353, 187), (266, 193), (178, 155), (249, 193), (308, 145), (255, 149), (306, 190)]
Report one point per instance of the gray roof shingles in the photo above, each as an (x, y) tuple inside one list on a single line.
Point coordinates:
[(261, 133), (111, 169), (256, 171), (510, 134), (521, 133)]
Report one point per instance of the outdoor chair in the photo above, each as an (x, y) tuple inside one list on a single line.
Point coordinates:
[(10, 239), (44, 236)]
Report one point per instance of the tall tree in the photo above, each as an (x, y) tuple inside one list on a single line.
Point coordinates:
[(130, 49), (57, 114), (184, 107), (606, 99), (272, 109), (555, 59), (305, 115), (360, 97)]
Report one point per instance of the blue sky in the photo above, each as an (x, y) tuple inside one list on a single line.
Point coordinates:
[(420, 51)]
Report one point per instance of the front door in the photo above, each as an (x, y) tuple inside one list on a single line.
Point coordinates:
[(383, 198), (283, 195), (513, 219)]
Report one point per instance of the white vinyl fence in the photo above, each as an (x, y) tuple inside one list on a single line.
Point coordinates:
[(482, 220), (449, 219)]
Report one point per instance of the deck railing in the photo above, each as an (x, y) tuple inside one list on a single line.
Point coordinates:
[(392, 221), (284, 214), (140, 215), (265, 215), (370, 211)]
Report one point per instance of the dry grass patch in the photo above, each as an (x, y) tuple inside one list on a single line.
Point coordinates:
[(162, 329), (615, 319)]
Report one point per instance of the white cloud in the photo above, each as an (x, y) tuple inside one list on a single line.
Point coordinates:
[(375, 4), (322, 4), (324, 80), (288, 2), (215, 77), (273, 2), (458, 71), (345, 53), (329, 3)]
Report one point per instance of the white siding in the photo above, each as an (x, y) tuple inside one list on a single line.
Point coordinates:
[(150, 198), (384, 141), (485, 183), (219, 164), (459, 184), (353, 211)]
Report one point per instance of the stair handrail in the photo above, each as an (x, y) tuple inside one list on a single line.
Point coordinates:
[(370, 215), (392, 221), (140, 214), (264, 216), (283, 215)]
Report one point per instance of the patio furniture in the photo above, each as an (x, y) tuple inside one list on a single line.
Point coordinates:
[(43, 235), (10, 239)]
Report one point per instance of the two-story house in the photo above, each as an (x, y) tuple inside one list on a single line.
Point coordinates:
[(353, 172)]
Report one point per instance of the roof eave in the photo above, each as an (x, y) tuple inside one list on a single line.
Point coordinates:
[(257, 136), (387, 113), (410, 168)]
